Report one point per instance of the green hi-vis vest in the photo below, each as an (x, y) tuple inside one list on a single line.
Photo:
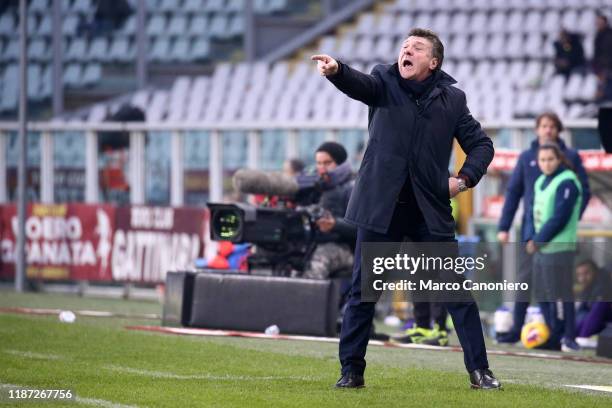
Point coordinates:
[(544, 207)]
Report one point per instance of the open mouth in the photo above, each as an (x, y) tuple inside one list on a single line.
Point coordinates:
[(406, 64)]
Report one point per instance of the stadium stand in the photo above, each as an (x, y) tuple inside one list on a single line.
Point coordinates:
[(500, 52), (178, 31)]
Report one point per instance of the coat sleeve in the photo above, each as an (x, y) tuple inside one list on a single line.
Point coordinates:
[(357, 85), (347, 231), (514, 193), (584, 180), (475, 143)]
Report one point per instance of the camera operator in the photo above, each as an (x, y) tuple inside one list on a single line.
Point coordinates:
[(335, 237)]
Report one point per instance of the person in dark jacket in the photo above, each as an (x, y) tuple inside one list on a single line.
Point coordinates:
[(403, 188), (548, 126), (602, 46), (335, 237), (593, 308), (569, 53)]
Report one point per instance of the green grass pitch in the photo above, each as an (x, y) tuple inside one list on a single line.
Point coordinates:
[(107, 365)]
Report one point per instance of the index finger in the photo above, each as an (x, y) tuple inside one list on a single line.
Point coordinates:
[(320, 57)]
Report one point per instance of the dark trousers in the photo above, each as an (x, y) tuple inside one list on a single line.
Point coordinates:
[(553, 278), (594, 320), (358, 316), (524, 274), (425, 312)]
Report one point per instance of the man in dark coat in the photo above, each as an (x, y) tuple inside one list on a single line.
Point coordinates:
[(403, 188)]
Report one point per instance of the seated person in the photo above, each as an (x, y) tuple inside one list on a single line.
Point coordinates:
[(593, 311), (569, 53)]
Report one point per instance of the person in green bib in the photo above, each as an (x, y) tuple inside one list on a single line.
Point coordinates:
[(556, 211)]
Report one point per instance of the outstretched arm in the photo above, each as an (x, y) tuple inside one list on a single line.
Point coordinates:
[(355, 84)]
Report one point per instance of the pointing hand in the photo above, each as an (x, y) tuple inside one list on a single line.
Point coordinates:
[(325, 64)]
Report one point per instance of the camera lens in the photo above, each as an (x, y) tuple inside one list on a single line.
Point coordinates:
[(227, 225)]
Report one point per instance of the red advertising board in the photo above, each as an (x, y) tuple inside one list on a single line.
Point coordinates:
[(102, 242)]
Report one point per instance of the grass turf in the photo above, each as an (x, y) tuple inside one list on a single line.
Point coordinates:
[(98, 359)]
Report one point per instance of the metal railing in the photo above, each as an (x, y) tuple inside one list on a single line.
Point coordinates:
[(516, 136)]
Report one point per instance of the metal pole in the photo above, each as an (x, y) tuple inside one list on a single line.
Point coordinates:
[(91, 167), (3, 186), (58, 57), (137, 168), (215, 173), (47, 168), (177, 183), (141, 44), (254, 149), (249, 32), (20, 259), (292, 148)]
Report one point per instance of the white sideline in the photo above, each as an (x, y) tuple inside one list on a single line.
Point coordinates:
[(29, 354), (604, 388), (96, 402), (226, 377)]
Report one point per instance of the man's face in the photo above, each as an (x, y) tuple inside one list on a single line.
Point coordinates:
[(584, 275), (547, 131), (324, 163), (600, 22), (415, 60)]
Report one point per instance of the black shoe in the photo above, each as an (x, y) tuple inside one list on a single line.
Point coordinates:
[(350, 380), (483, 379), (507, 338)]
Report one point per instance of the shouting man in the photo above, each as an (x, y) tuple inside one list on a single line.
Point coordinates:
[(403, 188)]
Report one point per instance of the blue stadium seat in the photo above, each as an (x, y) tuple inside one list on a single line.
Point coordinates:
[(120, 50), (39, 6), (11, 51), (235, 6), (177, 25), (34, 82), (99, 50), (157, 25), (47, 82), (218, 26), (129, 26), (45, 28), (160, 50), (180, 50), (92, 74), (236, 26), (8, 24), (38, 50), (199, 25), (82, 6), (69, 25), (170, 6), (217, 6), (193, 6), (72, 75), (77, 50)]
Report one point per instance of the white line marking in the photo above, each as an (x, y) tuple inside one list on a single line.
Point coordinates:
[(226, 377), (604, 388), (29, 354), (96, 402)]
